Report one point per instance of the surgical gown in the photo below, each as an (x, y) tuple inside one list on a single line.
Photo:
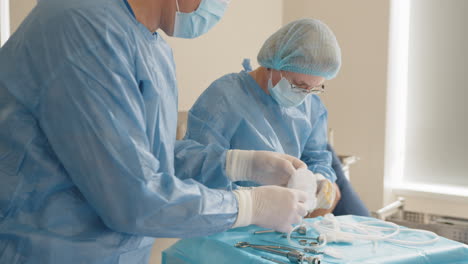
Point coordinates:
[(236, 113), (88, 112)]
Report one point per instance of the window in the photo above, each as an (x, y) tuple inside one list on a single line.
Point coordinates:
[(4, 21), (427, 110)]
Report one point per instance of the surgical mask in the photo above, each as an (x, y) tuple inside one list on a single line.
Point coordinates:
[(284, 94), (198, 22)]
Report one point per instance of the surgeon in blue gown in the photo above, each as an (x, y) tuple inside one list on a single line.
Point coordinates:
[(276, 107), (88, 113)]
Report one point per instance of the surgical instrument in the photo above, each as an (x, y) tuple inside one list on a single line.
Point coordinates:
[(318, 241), (274, 260), (293, 255), (264, 231), (309, 250), (317, 238), (302, 230)]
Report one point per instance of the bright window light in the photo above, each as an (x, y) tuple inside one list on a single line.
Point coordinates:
[(397, 91), (4, 21), (426, 128), (435, 189)]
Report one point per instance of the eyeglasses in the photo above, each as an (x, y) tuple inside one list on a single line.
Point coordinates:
[(314, 90)]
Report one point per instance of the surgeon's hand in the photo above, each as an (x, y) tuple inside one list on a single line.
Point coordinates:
[(321, 191), (305, 180), (271, 207), (264, 167)]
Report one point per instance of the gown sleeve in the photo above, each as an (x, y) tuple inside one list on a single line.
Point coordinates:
[(198, 155), (315, 153)]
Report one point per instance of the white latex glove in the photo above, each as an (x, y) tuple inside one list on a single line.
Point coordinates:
[(271, 207), (306, 181), (320, 190), (264, 167)]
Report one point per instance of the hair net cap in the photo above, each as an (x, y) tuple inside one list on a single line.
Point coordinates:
[(305, 46)]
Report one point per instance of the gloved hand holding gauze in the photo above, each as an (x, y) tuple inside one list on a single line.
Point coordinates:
[(320, 190), (270, 207), (306, 181), (264, 167)]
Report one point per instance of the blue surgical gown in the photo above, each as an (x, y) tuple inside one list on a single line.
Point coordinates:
[(88, 113), (236, 113)]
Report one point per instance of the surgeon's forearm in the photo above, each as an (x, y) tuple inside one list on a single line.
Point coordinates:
[(203, 163), (322, 212)]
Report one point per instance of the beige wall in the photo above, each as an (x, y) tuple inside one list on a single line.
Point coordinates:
[(19, 9), (239, 35), (356, 98)]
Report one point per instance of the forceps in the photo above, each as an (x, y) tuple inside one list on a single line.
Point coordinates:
[(293, 255), (310, 250)]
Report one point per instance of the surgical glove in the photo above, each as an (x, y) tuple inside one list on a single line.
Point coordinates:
[(326, 192), (263, 167), (271, 207), (306, 181)]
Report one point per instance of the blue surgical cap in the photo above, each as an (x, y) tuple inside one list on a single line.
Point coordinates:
[(305, 46)]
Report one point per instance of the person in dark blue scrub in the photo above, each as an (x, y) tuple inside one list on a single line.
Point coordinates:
[(350, 203)]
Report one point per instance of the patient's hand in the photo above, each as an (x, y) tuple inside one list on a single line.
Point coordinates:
[(322, 212)]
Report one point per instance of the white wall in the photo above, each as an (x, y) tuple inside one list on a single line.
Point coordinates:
[(4, 21), (427, 147), (437, 148), (356, 98)]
